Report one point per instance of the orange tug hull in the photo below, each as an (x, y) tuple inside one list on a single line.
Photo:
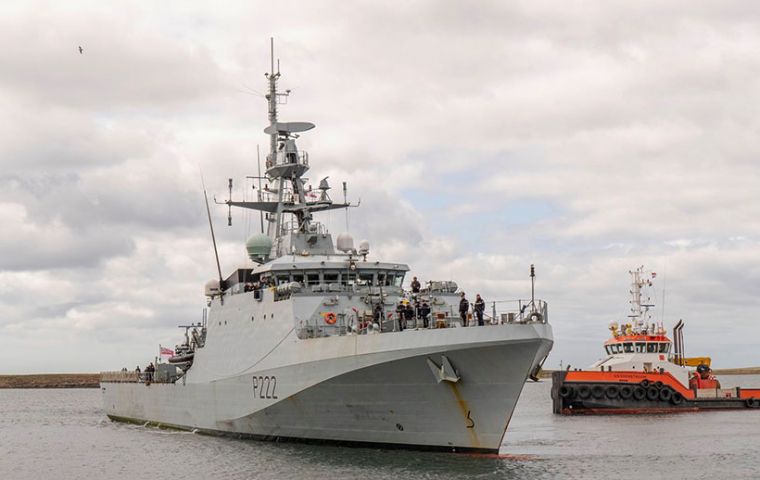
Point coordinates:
[(605, 393)]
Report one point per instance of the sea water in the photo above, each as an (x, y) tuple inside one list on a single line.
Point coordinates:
[(63, 434)]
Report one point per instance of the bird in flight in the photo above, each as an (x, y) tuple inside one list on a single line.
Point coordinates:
[(81, 50)]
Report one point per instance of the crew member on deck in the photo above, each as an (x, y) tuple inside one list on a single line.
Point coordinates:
[(415, 285), (703, 378), (424, 313), (479, 307), (464, 307), (400, 309)]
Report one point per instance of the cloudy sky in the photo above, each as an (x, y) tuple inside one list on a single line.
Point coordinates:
[(587, 138)]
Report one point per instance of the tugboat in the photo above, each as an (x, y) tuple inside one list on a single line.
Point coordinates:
[(644, 371), (317, 341)]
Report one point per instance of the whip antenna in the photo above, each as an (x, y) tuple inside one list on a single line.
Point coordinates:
[(213, 237)]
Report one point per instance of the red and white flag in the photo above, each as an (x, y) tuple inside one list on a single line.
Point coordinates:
[(166, 352), (654, 274)]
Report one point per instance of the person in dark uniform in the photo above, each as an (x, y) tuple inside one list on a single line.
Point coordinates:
[(408, 313), (400, 309), (479, 307), (149, 371), (424, 313), (415, 285), (464, 307), (377, 313)]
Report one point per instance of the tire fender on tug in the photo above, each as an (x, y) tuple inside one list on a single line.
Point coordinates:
[(639, 393), (612, 392), (626, 391), (584, 391), (566, 391), (666, 394), (652, 393), (597, 391)]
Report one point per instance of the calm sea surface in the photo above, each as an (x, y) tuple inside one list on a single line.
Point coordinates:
[(63, 434)]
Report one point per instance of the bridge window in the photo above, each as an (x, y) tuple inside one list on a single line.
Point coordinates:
[(366, 278), (348, 278), (664, 347), (652, 347), (641, 347), (628, 347), (312, 278), (331, 277), (617, 348), (297, 278)]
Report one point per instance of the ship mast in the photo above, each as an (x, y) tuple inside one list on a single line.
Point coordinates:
[(285, 166), (639, 311), (272, 98)]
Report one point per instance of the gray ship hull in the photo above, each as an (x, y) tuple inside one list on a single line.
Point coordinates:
[(382, 398)]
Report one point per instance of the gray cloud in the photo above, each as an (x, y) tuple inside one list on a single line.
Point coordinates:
[(587, 138)]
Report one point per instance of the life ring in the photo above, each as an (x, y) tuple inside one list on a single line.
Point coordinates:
[(330, 318)]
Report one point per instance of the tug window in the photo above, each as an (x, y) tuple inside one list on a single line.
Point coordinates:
[(628, 347), (641, 347), (617, 348), (664, 347), (331, 278), (298, 278), (651, 348), (348, 278), (609, 350), (382, 280), (312, 278)]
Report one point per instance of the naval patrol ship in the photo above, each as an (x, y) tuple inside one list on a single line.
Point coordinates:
[(307, 342)]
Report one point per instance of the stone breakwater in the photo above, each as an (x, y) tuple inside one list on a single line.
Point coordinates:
[(51, 380)]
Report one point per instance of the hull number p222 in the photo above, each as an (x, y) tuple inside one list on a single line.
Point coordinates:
[(264, 387)]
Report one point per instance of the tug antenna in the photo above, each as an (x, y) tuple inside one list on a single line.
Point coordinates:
[(229, 206), (533, 286)]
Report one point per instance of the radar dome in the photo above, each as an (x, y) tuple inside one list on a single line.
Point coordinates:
[(258, 246), (345, 242)]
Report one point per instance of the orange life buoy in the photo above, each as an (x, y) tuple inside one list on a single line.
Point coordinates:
[(330, 318)]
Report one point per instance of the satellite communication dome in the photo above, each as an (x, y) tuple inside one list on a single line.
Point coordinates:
[(258, 246), (211, 288), (345, 242), (364, 247)]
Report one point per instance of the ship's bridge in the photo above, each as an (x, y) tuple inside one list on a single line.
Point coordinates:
[(320, 273), (637, 344)]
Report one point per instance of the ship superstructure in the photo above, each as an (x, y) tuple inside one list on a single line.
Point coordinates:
[(318, 341)]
